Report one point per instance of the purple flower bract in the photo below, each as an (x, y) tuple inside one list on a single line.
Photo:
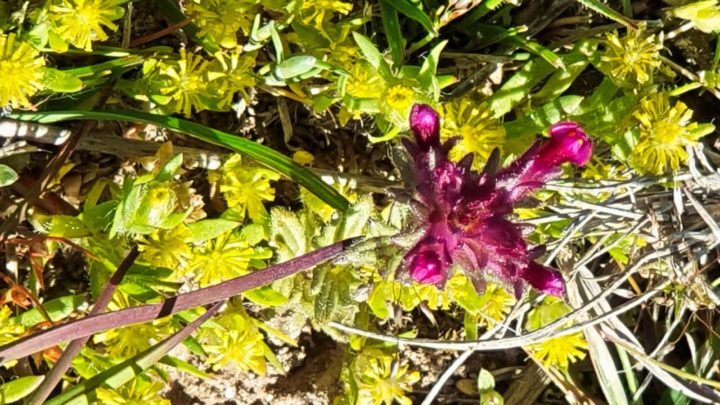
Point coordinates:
[(467, 213)]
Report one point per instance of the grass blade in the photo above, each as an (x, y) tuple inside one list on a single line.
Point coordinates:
[(414, 12), (391, 23), (603, 9), (260, 153)]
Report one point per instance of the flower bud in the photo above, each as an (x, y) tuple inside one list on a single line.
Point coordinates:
[(427, 265), (544, 279), (568, 143), (425, 124)]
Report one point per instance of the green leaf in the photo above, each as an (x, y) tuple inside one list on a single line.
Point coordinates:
[(575, 63), (184, 366), (8, 176), (18, 389), (517, 88), (288, 233), (378, 302), (541, 118), (356, 218), (368, 49), (210, 229), (394, 36), (265, 296), (67, 227), (414, 11), (260, 153), (294, 66), (57, 309), (170, 168), (603, 9), (429, 66), (485, 381), (61, 82)]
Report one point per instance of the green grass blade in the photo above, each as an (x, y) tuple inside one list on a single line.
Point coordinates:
[(20, 388), (391, 24), (260, 153), (414, 12), (603, 9)]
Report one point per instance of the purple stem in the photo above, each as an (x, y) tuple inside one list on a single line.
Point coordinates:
[(92, 324), (64, 362)]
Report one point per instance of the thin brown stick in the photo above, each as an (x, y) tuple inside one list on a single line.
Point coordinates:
[(156, 35)]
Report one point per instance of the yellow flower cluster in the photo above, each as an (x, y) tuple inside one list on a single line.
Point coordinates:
[(383, 380), (664, 131), (193, 83), (81, 22), (631, 60), (23, 63), (246, 187), (560, 351), (478, 130), (220, 20), (233, 338), (223, 258)]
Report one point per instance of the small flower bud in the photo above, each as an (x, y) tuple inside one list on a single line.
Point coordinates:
[(425, 124), (568, 143), (544, 279), (426, 266)]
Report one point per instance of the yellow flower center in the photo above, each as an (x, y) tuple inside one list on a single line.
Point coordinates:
[(400, 97)]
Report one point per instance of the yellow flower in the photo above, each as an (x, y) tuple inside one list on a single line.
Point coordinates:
[(478, 130), (230, 73), (383, 381), (221, 19), (223, 258), (140, 391), (187, 82), (246, 187), (399, 97), (633, 59), (21, 70), (495, 303), (303, 157), (80, 22), (560, 351), (233, 338), (166, 248), (364, 81), (317, 12), (125, 342), (663, 133)]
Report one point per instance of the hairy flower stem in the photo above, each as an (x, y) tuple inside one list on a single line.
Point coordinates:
[(65, 360), (92, 324)]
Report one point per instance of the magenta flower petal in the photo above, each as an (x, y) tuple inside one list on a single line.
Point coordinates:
[(544, 279), (428, 263), (541, 162), (425, 124), (568, 143)]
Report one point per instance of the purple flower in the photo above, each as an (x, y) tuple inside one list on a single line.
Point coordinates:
[(466, 212)]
